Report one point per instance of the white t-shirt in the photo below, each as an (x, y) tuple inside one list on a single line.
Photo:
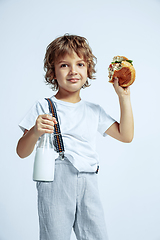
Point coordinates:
[(79, 123)]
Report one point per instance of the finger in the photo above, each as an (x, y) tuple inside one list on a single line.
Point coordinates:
[(49, 117), (116, 80), (116, 84), (47, 122), (47, 127), (43, 128), (46, 116), (54, 120), (127, 90)]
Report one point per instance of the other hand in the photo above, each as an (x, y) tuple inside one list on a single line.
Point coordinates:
[(121, 92)]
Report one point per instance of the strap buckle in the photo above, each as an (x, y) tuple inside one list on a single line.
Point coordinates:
[(61, 155), (57, 134)]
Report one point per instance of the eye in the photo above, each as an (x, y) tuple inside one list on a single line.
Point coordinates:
[(81, 64), (64, 65)]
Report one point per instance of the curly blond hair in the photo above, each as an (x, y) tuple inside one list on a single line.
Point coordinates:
[(66, 45)]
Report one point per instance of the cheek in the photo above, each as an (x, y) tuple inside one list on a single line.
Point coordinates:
[(58, 74), (85, 72)]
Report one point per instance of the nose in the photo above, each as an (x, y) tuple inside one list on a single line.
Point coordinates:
[(73, 70)]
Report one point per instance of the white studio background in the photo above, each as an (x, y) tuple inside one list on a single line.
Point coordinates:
[(129, 178)]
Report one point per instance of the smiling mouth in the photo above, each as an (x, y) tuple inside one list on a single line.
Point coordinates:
[(73, 80)]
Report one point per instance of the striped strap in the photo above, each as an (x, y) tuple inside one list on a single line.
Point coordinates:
[(58, 141)]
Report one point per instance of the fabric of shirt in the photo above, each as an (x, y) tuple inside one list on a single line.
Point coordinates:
[(79, 123)]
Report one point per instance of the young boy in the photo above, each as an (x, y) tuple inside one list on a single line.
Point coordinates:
[(72, 200)]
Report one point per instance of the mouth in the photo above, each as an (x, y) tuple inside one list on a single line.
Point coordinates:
[(73, 80)]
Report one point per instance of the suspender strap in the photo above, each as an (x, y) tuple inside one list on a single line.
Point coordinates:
[(97, 170), (58, 141)]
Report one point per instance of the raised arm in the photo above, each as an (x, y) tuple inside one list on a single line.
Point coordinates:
[(123, 131)]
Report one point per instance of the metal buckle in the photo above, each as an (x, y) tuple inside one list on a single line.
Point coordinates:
[(61, 155), (56, 134)]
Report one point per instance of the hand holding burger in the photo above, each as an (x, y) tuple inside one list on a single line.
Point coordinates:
[(122, 68)]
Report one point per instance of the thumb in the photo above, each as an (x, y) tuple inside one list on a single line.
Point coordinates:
[(116, 84), (54, 120)]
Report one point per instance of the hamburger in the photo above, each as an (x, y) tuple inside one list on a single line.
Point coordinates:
[(122, 68)]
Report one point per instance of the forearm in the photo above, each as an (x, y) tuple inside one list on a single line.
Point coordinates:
[(126, 126), (27, 143)]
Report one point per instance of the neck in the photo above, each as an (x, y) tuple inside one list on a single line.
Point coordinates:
[(68, 97)]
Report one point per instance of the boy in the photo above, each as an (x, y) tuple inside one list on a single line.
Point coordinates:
[(72, 200)]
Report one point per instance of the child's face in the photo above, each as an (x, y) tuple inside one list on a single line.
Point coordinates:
[(71, 72)]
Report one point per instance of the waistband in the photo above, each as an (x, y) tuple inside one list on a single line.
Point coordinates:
[(67, 162)]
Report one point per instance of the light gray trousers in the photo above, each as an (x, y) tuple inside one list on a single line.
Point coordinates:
[(70, 201)]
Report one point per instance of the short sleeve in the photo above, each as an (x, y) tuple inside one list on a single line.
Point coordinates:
[(105, 121), (40, 107)]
